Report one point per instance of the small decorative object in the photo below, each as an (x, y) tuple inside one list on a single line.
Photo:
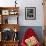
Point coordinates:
[(6, 21), (30, 13), (15, 30), (15, 36), (0, 36), (5, 12), (15, 3), (7, 34), (13, 12), (0, 12), (0, 19)]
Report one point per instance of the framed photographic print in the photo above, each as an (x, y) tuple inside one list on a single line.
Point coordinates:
[(5, 12), (30, 13)]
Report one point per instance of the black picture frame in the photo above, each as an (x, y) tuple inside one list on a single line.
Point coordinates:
[(30, 13)]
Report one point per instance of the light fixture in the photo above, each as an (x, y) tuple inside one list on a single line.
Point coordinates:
[(15, 3)]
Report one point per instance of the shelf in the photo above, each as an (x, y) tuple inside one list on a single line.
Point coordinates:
[(4, 8), (7, 16), (11, 41), (9, 10), (10, 26)]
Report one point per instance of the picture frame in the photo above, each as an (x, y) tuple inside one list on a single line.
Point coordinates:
[(5, 12), (30, 13)]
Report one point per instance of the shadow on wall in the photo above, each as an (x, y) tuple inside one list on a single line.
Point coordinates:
[(37, 29)]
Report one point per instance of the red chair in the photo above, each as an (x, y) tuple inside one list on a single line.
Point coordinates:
[(29, 33)]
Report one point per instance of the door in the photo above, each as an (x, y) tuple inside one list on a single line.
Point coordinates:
[(44, 7)]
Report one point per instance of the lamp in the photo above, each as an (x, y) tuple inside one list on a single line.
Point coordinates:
[(15, 3)]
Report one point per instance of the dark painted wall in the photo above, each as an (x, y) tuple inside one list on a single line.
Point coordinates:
[(37, 29)]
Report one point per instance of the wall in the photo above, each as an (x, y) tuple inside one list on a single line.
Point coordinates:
[(39, 13), (27, 3), (37, 30)]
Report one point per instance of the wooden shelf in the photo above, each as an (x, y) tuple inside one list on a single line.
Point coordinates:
[(9, 8), (11, 26), (4, 13), (9, 43)]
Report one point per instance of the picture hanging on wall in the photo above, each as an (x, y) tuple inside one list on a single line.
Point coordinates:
[(30, 13)]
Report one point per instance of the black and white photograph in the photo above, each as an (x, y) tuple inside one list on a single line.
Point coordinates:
[(30, 13)]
